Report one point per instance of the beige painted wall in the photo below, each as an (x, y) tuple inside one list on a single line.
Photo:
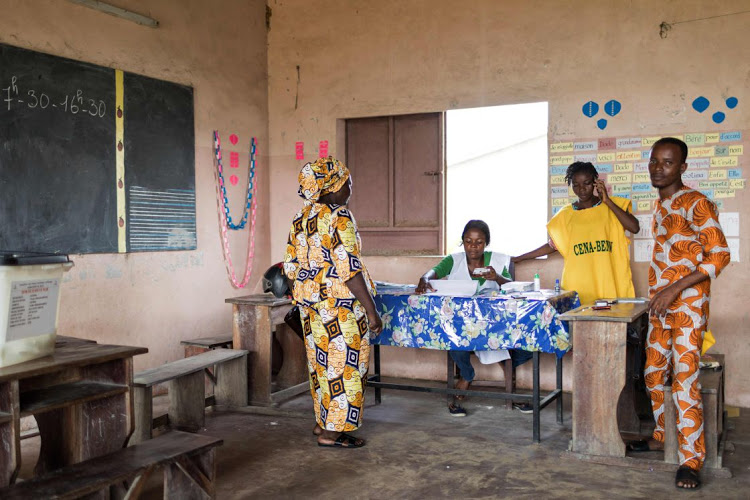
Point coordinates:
[(156, 299), (369, 58)]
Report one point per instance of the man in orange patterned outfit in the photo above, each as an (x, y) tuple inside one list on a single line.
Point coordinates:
[(689, 251)]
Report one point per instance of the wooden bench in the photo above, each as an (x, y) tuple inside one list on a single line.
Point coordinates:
[(198, 346), (188, 461), (187, 400), (712, 392)]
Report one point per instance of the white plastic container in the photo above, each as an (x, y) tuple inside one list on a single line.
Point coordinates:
[(29, 303)]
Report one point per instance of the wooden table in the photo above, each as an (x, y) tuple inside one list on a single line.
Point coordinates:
[(80, 397), (599, 375), (255, 317)]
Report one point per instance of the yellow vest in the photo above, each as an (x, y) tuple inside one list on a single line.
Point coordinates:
[(597, 258)]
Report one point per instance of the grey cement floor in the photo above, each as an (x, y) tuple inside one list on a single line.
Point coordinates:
[(415, 449)]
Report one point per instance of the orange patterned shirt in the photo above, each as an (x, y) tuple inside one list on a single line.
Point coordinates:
[(688, 237), (322, 254)]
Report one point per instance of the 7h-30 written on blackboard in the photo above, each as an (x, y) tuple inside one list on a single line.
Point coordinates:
[(93, 159)]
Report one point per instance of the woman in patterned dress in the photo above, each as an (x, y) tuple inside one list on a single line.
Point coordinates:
[(334, 292)]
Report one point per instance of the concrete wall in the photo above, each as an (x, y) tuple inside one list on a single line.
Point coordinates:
[(156, 299), (330, 60)]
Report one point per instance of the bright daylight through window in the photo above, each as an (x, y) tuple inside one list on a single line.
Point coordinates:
[(497, 172)]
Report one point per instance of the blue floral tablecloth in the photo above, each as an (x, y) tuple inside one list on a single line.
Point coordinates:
[(479, 323)]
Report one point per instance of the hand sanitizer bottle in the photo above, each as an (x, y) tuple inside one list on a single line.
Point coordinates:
[(537, 283)]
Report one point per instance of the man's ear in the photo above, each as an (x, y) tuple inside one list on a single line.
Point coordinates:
[(683, 167)]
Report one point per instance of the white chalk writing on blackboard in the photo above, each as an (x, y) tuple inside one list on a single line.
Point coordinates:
[(73, 103)]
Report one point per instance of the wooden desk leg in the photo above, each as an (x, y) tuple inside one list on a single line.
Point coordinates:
[(599, 353), (294, 368), (191, 477), (231, 382), (187, 402), (144, 414), (10, 434), (53, 454), (251, 330)]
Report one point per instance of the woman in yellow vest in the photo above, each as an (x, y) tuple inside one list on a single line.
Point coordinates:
[(590, 235)]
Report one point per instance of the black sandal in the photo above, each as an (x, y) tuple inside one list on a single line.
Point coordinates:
[(344, 441), (686, 476)]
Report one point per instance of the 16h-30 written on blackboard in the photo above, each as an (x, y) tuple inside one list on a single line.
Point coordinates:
[(93, 159)]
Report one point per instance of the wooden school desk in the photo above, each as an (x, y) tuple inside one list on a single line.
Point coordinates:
[(80, 397), (599, 374), (254, 319)]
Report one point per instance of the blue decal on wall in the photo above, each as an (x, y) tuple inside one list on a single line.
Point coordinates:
[(732, 102), (590, 109), (612, 107), (718, 117), (602, 123), (701, 104)]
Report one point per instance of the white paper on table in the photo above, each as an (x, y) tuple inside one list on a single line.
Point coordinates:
[(517, 286), (642, 250), (454, 288), (734, 249), (730, 223)]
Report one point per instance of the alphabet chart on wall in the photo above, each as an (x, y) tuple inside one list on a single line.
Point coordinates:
[(715, 168)]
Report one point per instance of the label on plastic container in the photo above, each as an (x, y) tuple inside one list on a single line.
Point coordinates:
[(33, 308)]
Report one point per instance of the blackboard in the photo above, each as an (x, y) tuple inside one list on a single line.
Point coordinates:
[(59, 146)]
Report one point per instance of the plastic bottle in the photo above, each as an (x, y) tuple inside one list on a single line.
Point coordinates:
[(537, 283), (557, 286)]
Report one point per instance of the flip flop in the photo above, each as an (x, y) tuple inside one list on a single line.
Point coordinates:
[(686, 474), (343, 441)]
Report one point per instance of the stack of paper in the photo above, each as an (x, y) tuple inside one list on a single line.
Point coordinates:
[(454, 288), (517, 286)]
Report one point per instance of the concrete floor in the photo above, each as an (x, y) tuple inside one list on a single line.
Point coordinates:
[(415, 449)]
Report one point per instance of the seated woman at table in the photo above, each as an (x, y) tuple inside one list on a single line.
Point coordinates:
[(590, 235), (490, 269)]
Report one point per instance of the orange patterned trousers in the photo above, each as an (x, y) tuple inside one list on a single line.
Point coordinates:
[(673, 348)]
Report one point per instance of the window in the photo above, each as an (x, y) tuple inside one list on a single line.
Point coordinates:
[(398, 191), (497, 172), (407, 202)]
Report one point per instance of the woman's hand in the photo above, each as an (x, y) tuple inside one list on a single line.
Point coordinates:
[(374, 322), (489, 274), (601, 190), (423, 286)]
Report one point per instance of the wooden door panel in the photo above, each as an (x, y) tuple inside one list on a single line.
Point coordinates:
[(418, 172), (368, 155)]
